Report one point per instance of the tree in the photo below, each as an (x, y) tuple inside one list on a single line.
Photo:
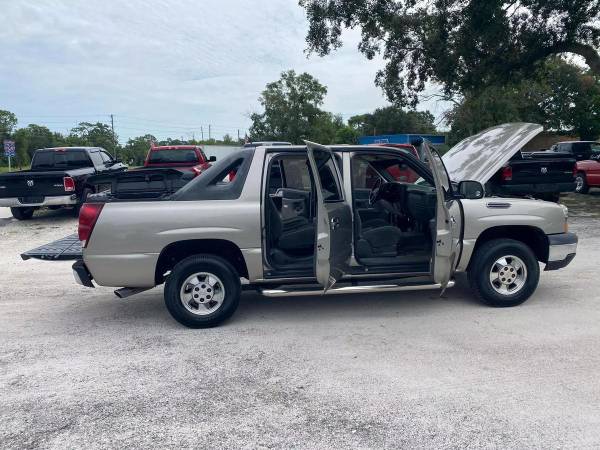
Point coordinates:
[(135, 150), (93, 134), (291, 108), (8, 122), (393, 120), (466, 45), (38, 136), (21, 138), (562, 97)]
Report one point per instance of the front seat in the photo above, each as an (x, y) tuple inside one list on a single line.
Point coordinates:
[(299, 237), (376, 241)]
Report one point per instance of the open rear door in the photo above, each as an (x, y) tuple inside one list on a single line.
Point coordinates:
[(334, 217), (448, 221)]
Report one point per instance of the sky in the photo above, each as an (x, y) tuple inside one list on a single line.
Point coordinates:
[(170, 68)]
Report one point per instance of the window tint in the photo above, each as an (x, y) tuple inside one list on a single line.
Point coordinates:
[(330, 185), (106, 157), (43, 159), (97, 159), (595, 148), (173, 156), (296, 173)]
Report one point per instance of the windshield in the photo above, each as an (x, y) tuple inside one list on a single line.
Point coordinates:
[(173, 156)]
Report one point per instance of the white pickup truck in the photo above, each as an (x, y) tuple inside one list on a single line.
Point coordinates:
[(301, 220)]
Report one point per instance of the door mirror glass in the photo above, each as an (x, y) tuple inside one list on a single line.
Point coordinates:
[(472, 190)]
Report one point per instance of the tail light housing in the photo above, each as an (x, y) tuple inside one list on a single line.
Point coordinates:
[(69, 184), (197, 170), (88, 215), (507, 173)]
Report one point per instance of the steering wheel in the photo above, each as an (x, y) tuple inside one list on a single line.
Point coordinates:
[(374, 194)]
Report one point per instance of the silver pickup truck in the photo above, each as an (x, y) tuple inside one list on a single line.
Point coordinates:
[(302, 220)]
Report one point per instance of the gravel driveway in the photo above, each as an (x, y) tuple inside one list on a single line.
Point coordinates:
[(81, 368)]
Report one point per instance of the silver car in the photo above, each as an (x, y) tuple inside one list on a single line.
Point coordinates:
[(303, 220)]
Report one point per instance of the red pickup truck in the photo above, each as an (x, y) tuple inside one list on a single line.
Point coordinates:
[(182, 157)]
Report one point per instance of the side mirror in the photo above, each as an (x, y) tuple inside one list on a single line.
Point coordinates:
[(212, 158), (471, 190), (117, 161)]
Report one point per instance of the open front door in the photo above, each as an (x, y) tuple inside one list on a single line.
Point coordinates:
[(334, 217), (448, 221)]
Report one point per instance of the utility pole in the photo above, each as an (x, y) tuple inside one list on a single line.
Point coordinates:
[(202, 132), (112, 126), (238, 135), (209, 132)]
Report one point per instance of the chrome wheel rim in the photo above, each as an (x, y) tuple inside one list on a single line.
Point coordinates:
[(578, 183), (202, 293), (508, 275)]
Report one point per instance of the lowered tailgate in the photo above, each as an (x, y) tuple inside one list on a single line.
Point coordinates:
[(65, 249)]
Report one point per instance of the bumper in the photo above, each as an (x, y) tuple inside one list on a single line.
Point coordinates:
[(82, 275), (562, 250), (15, 202)]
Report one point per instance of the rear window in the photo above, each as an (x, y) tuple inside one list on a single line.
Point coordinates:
[(173, 156), (60, 160)]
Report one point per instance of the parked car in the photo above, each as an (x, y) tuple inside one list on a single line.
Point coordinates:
[(587, 168), (58, 177), (321, 234), (187, 158)]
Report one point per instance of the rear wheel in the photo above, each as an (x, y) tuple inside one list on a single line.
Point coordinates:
[(581, 185), (22, 213), (504, 272), (202, 291)]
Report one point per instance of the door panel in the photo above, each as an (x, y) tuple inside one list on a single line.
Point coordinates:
[(448, 222), (334, 218)]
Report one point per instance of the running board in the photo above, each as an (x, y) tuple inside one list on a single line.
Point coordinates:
[(128, 292), (382, 288)]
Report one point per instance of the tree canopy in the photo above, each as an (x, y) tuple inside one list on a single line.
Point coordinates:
[(465, 45), (562, 97), (393, 120)]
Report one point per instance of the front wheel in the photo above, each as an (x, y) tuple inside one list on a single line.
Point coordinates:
[(22, 213), (581, 185), (504, 272), (202, 291)]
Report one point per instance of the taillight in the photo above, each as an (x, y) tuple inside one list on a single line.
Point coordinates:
[(197, 170), (507, 173), (88, 215), (69, 184)]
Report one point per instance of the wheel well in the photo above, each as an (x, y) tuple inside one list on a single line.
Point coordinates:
[(175, 252), (533, 237)]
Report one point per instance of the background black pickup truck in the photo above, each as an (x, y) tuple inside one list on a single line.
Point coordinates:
[(58, 177), (542, 175)]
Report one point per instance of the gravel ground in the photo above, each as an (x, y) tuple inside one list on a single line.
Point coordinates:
[(81, 368)]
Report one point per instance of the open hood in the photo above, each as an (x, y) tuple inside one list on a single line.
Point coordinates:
[(480, 156)]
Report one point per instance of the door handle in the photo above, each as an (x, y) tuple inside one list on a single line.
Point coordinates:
[(335, 222)]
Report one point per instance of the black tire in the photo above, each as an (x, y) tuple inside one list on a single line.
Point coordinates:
[(581, 184), (220, 268), (82, 199), (22, 213), (481, 268)]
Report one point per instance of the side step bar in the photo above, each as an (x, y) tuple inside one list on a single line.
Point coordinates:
[(383, 288), (125, 292)]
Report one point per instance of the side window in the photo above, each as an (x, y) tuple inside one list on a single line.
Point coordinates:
[(96, 159), (595, 150), (296, 174), (363, 174), (106, 157), (330, 184)]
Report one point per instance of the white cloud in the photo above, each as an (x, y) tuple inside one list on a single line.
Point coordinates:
[(166, 67)]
